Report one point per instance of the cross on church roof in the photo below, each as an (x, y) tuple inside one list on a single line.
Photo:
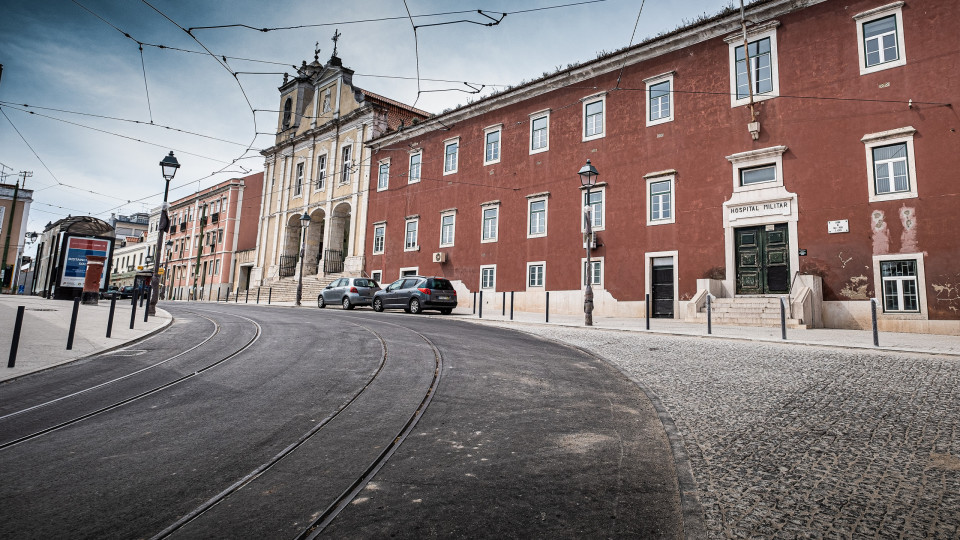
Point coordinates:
[(335, 38), (316, 51)]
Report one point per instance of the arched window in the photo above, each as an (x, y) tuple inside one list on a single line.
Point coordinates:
[(287, 106)]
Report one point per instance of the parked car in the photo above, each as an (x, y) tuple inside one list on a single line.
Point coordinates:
[(348, 292), (126, 291), (414, 294), (110, 292)]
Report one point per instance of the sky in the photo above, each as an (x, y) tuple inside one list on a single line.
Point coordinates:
[(73, 56)]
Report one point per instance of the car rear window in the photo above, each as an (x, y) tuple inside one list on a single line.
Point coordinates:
[(361, 282), (439, 284)]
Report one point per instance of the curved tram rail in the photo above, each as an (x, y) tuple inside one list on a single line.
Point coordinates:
[(317, 526), (136, 397)]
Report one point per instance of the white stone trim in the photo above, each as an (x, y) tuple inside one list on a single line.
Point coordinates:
[(536, 116), (657, 79), (546, 214), (921, 286), (673, 199), (486, 131), (456, 165), (766, 30), (526, 277), (648, 278), (594, 98), (865, 17), (885, 138), (484, 267), (443, 214)]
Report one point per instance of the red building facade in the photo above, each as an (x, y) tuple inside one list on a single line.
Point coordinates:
[(835, 186)]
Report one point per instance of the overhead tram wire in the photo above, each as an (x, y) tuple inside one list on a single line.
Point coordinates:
[(632, 35), (129, 120)]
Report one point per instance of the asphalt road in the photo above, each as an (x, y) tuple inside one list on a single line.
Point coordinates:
[(254, 422)]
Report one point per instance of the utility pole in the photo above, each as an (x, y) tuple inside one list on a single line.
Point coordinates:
[(6, 241)]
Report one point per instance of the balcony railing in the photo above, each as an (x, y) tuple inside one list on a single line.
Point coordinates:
[(288, 265)]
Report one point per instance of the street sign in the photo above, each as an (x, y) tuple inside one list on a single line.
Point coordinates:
[(160, 271)]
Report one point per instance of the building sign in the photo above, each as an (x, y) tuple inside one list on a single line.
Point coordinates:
[(774, 208), (838, 226), (75, 261)]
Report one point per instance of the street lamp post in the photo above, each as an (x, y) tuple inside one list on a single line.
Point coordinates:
[(588, 178), (304, 223), (169, 167)]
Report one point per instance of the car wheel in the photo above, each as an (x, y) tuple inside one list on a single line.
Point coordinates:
[(320, 303), (446, 311), (346, 303), (377, 305), (414, 306)]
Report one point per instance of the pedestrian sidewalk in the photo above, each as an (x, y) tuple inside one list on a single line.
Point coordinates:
[(46, 325), (847, 339)]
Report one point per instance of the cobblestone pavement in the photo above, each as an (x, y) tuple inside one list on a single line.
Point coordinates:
[(790, 441)]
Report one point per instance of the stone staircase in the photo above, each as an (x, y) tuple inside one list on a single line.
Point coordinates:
[(285, 289), (748, 311)]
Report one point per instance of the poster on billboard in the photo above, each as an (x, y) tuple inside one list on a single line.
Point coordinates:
[(75, 261)]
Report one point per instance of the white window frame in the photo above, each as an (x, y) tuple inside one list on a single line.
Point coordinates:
[(594, 98), (456, 160), (498, 129), (867, 17), (921, 286), (543, 275), (595, 261), (414, 269), (598, 188), (377, 275), (381, 225), (540, 197), (383, 180), (411, 178), (536, 116), (496, 229), (656, 178), (493, 285), (416, 234), (320, 181), (756, 33), (887, 138), (298, 181), (453, 236), (346, 158), (752, 159), (655, 80)]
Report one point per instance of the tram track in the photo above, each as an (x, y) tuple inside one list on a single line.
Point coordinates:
[(136, 397), (329, 513)]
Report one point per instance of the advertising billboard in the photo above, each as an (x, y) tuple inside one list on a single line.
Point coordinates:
[(75, 260)]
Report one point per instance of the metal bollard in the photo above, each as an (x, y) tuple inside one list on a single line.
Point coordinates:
[(474, 304), (146, 312), (504, 303), (511, 305), (783, 319), (548, 307), (73, 323), (646, 307), (269, 295), (480, 308), (709, 322), (258, 295), (873, 315), (133, 309), (15, 342), (141, 296), (113, 306)]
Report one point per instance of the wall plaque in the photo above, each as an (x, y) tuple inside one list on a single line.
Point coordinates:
[(838, 226)]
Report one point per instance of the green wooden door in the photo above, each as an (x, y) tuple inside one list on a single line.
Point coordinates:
[(763, 260)]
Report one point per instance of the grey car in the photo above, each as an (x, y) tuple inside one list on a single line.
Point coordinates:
[(348, 292), (414, 294)]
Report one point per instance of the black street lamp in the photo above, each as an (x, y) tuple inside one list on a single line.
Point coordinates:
[(304, 223), (169, 167), (588, 178)]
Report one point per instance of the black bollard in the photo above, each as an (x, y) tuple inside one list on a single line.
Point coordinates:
[(474, 304), (141, 296), (113, 306), (15, 342), (480, 306), (548, 306), (646, 306), (709, 322), (511, 305), (73, 323), (873, 315), (258, 295), (133, 309), (783, 320), (146, 312), (269, 295)]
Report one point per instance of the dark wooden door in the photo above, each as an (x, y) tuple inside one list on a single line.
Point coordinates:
[(763, 260), (662, 290)]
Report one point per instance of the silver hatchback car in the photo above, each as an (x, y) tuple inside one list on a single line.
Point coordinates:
[(348, 292)]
